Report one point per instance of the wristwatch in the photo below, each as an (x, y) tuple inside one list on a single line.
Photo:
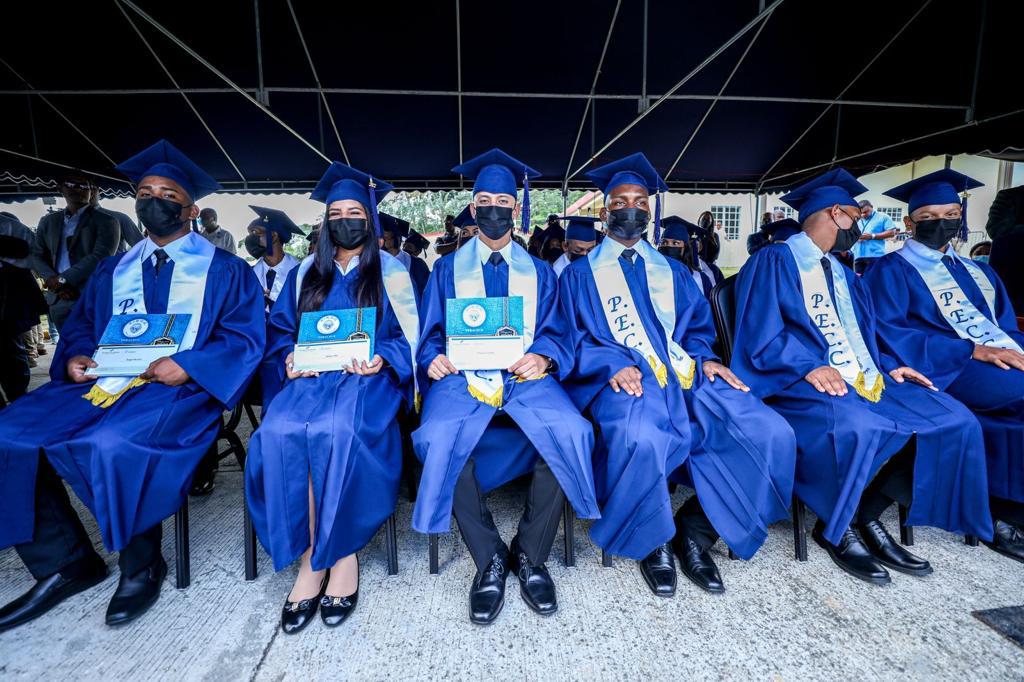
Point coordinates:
[(61, 281)]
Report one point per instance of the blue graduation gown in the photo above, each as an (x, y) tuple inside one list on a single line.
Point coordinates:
[(911, 328), (455, 426), (337, 429), (738, 454), (132, 463), (419, 272), (843, 441)]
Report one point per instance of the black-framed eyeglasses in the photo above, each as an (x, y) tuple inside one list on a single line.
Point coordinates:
[(71, 184)]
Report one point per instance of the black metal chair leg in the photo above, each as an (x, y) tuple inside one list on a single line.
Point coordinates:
[(568, 520), (249, 543), (182, 560), (971, 540), (251, 414), (732, 556), (606, 559), (433, 554), (906, 532), (799, 529), (391, 541)]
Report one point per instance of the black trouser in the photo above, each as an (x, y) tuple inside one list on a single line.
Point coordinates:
[(59, 538), (537, 527), (694, 523), (1007, 511), (894, 482), (14, 369), (861, 265)]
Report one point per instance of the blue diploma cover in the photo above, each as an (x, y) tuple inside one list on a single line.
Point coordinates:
[(484, 333), (131, 342), (331, 339)]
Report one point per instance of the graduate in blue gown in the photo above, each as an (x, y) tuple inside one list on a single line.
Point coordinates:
[(128, 447), (580, 239), (323, 468), (663, 404), (869, 430), (951, 318), (396, 231), (676, 236), (482, 429)]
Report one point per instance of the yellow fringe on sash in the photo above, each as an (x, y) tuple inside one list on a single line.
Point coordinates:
[(100, 398), (687, 381), (660, 370), (520, 380), (875, 394), (417, 402), (492, 400)]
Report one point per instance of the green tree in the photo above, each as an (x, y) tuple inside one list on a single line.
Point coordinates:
[(425, 211)]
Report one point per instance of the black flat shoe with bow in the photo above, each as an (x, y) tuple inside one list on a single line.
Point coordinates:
[(296, 614), (334, 610)]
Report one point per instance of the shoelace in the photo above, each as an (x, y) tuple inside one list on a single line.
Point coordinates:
[(495, 569), (850, 536)]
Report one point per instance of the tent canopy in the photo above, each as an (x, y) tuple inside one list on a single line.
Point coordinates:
[(262, 92)]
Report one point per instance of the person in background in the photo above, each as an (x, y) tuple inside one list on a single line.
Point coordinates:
[(130, 232), (311, 239), (268, 233), (69, 244), (465, 223), (449, 241), (394, 231), (536, 241), (21, 304), (875, 228), (580, 239), (705, 246), (1005, 227), (981, 251), (553, 246), (676, 244), (214, 233), (415, 244)]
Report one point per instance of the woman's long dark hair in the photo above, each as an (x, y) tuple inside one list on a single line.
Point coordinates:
[(318, 280)]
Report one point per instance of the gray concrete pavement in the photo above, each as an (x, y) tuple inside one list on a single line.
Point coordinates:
[(779, 618)]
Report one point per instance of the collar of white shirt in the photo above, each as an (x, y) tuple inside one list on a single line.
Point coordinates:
[(352, 264), (173, 249), (484, 252)]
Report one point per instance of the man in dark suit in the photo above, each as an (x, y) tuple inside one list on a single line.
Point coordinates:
[(21, 304), (1006, 228), (130, 232), (69, 244)]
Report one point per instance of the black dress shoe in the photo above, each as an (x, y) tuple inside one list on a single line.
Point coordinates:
[(1008, 540), (136, 593), (297, 614), (535, 583), (852, 556), (487, 595), (659, 571), (697, 565), (890, 553), (49, 592), (203, 482), (334, 610)]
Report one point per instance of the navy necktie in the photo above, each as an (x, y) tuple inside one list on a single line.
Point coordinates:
[(496, 259), (161, 259), (271, 276), (627, 255)]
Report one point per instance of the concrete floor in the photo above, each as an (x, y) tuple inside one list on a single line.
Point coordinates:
[(779, 618)]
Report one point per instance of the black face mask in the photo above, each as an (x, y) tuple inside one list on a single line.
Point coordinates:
[(675, 252), (846, 238), (551, 255), (576, 256), (348, 233), (628, 223), (936, 233), (494, 221), (256, 249), (160, 217)]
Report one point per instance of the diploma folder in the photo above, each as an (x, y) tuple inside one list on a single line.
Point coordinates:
[(131, 342), (330, 339), (484, 333)]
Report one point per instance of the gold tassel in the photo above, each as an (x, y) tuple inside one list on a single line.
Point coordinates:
[(660, 370), (520, 380), (872, 395), (417, 402), (492, 400), (101, 399), (687, 381)]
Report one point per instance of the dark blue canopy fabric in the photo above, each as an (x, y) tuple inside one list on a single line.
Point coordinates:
[(80, 88)]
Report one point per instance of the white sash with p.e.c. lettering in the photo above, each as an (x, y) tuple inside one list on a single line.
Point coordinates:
[(620, 310), (487, 386), (398, 287), (191, 256), (956, 308), (847, 351)]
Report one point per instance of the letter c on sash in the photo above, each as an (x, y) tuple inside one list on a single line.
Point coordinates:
[(972, 332), (626, 340), (832, 359)]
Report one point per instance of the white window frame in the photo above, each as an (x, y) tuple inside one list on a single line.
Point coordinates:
[(787, 210), (731, 216)]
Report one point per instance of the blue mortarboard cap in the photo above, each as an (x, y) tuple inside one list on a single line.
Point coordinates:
[(167, 161), (340, 182), (941, 187), (465, 218), (497, 172), (781, 230), (395, 225), (674, 227), (417, 240), (581, 228), (634, 169), (277, 221), (554, 231), (834, 187)]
